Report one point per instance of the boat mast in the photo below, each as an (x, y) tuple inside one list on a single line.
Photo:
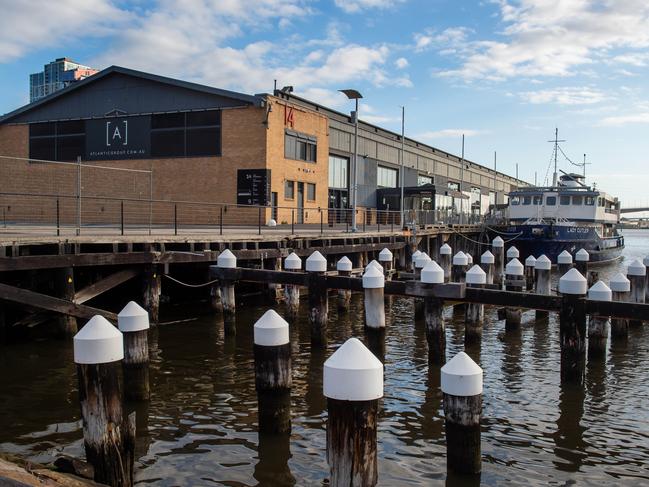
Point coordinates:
[(556, 152)]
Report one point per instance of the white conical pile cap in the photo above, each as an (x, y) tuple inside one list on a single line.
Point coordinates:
[(316, 262), (373, 278), (353, 373), (374, 264), (564, 258), (226, 259), (582, 256), (469, 259), (543, 263), (385, 255), (460, 259), (636, 268), (497, 242), (487, 258), (514, 268), (270, 330), (512, 252), (530, 261), (572, 282), (600, 292), (422, 260), (432, 273), (344, 264), (293, 262), (445, 249), (461, 376), (476, 275), (98, 342), (133, 318), (619, 283), (415, 254)]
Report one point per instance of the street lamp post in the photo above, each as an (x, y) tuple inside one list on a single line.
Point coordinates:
[(354, 95)]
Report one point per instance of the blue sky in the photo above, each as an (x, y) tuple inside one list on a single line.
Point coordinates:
[(503, 72)]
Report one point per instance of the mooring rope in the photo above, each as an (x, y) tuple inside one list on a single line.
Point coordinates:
[(487, 243), (209, 283)]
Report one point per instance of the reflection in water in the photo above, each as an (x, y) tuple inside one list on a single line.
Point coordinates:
[(274, 452), (570, 447)]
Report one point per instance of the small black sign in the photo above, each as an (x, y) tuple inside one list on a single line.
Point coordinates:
[(253, 187), (118, 138)]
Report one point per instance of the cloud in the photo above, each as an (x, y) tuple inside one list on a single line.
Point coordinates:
[(27, 26), (356, 6), (565, 96), (401, 63), (550, 38), (620, 120), (449, 134)]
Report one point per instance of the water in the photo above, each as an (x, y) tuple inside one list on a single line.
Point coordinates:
[(200, 427)]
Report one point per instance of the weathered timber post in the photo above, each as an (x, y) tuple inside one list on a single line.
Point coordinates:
[(564, 262), (344, 267), (293, 263), (108, 437), (461, 381), (274, 289), (373, 284), (598, 325), (512, 253), (445, 252), (530, 266), (475, 277), (152, 289), (498, 249), (581, 264), (353, 385), (487, 264), (67, 325), (572, 326), (433, 315), (215, 298), (413, 259), (458, 268), (385, 259), (227, 260), (645, 261), (620, 289), (543, 268), (133, 322), (273, 380), (636, 273), (316, 266), (513, 282), (420, 263)]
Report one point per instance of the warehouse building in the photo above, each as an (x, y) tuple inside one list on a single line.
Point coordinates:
[(209, 145)]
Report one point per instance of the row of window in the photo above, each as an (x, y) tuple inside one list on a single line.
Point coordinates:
[(289, 190), (386, 177), (552, 200), (188, 134), (300, 147)]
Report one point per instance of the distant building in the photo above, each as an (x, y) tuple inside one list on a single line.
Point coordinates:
[(55, 76)]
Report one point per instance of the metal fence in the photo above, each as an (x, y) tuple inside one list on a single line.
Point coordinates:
[(54, 198)]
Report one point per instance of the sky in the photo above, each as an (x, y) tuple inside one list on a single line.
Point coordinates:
[(504, 73)]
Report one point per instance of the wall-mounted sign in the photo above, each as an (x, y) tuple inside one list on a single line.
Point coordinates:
[(253, 187), (118, 138)]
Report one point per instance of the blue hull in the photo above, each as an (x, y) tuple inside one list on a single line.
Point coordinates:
[(551, 240)]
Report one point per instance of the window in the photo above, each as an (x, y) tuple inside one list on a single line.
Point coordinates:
[(577, 200), (551, 200), (386, 177), (301, 147), (537, 200), (423, 180), (310, 191), (338, 170), (289, 190), (453, 186), (589, 201), (527, 200), (565, 200), (515, 200), (57, 141), (186, 134), (492, 197)]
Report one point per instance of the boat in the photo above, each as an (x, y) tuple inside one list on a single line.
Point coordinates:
[(569, 215)]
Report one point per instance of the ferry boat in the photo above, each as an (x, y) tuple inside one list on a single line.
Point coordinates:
[(569, 215)]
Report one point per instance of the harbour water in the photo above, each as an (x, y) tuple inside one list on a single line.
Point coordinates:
[(200, 427)]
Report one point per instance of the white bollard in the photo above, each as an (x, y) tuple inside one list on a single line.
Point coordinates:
[(598, 325), (445, 253), (530, 266), (133, 322), (373, 284), (564, 262), (572, 325), (413, 258), (316, 266), (386, 260), (543, 269), (460, 261), (512, 253), (498, 249), (514, 275), (636, 273), (581, 263), (433, 315), (292, 263), (620, 289), (420, 263), (487, 261), (344, 268), (227, 260), (475, 277)]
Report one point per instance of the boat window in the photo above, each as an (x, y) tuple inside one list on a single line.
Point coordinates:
[(515, 200), (589, 200), (538, 200), (551, 200), (577, 200), (565, 200), (527, 200)]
